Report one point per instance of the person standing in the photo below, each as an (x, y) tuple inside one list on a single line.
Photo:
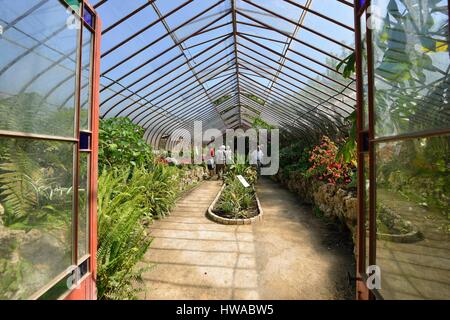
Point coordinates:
[(211, 152), (256, 159), (220, 161)]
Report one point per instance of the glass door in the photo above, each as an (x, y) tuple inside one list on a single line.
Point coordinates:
[(404, 149), (45, 147)]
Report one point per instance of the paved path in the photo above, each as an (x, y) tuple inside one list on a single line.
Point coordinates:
[(290, 255)]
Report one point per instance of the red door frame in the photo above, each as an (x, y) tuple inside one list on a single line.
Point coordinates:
[(87, 286), (366, 146)]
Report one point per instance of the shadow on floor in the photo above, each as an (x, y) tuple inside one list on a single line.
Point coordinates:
[(290, 255)]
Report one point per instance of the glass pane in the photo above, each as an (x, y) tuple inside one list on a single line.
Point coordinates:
[(38, 70), (413, 222), (366, 207), (36, 199), (411, 61), (88, 17), (83, 206), (85, 94), (365, 72)]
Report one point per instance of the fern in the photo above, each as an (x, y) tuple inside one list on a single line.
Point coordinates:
[(122, 238), (18, 177)]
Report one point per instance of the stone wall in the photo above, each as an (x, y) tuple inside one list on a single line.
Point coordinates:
[(336, 202)]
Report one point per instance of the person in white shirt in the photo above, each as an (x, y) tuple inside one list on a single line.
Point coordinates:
[(220, 161), (256, 159), (229, 156)]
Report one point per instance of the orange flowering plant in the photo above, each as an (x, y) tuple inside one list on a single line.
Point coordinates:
[(326, 165)]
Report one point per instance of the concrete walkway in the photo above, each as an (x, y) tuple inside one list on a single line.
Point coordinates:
[(290, 255)]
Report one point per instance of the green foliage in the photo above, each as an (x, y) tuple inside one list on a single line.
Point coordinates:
[(122, 237), (347, 151), (128, 199), (243, 169), (35, 182), (30, 112), (134, 189), (236, 201), (418, 169), (255, 98), (325, 165), (121, 143), (221, 100), (295, 156), (259, 123), (349, 64), (317, 212), (411, 74), (17, 180), (159, 188)]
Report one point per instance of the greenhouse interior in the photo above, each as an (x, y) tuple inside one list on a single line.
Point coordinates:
[(224, 150)]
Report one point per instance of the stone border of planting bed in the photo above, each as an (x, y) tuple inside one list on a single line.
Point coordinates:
[(395, 219), (214, 217)]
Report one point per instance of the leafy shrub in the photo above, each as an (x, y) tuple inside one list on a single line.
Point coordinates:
[(236, 201), (128, 199), (243, 169), (35, 183), (301, 165), (347, 151), (297, 153), (121, 143), (159, 188), (326, 166), (122, 238)]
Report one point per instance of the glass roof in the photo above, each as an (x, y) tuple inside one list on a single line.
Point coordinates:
[(165, 63)]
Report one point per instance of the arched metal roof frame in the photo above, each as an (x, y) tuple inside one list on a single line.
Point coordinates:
[(297, 88), (238, 61)]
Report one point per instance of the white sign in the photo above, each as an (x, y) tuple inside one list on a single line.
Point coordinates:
[(243, 181)]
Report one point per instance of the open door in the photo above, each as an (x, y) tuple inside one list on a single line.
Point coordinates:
[(403, 68), (49, 75)]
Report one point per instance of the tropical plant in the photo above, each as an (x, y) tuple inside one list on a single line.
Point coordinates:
[(121, 143), (301, 164), (349, 64), (35, 185), (294, 154), (411, 67), (347, 151), (122, 238), (326, 167), (159, 188), (236, 201), (242, 168)]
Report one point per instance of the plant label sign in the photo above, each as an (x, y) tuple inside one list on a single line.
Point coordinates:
[(243, 181)]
